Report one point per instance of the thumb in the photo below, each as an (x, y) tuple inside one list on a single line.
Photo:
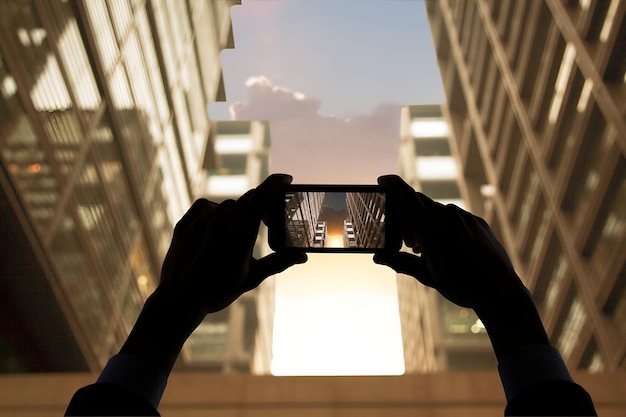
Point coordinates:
[(270, 265), (406, 263)]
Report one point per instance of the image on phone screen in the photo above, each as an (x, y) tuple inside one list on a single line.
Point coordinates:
[(335, 219)]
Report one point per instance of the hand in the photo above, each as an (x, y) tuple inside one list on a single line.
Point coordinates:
[(460, 256), (210, 263), (208, 266)]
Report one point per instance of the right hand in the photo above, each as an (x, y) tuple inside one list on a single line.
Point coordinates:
[(459, 254)]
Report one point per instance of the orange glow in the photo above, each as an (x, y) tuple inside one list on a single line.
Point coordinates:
[(335, 241), (34, 168)]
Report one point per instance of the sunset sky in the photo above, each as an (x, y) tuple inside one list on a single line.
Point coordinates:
[(331, 76)]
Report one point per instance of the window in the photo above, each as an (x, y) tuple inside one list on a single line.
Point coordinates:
[(617, 297), (551, 260), (609, 225), (23, 156), (567, 129), (78, 279), (537, 231), (233, 164), (616, 67), (97, 221), (591, 360), (436, 168), (101, 24), (540, 37), (574, 322), (441, 189), (74, 57), (432, 147), (429, 128), (547, 94), (510, 155), (591, 143)]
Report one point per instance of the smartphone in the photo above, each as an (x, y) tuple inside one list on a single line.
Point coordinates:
[(333, 218)]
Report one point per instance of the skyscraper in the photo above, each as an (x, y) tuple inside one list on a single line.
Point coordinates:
[(302, 213), (104, 138), (321, 232), (366, 213), (349, 238), (437, 335), (536, 99)]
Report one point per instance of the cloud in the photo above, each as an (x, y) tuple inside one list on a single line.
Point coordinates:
[(316, 148)]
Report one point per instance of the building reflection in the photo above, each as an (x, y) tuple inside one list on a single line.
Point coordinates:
[(366, 217), (302, 213)]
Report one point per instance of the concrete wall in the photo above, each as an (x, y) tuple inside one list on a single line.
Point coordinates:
[(196, 394)]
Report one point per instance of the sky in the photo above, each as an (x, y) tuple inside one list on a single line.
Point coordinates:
[(331, 76)]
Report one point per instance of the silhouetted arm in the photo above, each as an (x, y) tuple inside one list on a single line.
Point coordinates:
[(457, 254), (208, 266)]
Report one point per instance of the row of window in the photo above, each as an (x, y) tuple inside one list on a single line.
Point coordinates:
[(585, 141)]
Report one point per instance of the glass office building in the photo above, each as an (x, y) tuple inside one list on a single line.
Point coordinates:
[(104, 144), (536, 99)]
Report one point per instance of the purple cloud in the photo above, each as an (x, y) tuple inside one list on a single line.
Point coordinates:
[(315, 148)]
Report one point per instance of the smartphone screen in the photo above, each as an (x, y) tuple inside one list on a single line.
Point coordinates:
[(328, 218)]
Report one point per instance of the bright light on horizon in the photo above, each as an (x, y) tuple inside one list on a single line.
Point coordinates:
[(337, 314), (335, 241)]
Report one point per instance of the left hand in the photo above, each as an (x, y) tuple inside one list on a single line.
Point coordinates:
[(210, 262)]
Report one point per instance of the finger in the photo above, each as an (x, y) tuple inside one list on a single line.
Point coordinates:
[(255, 204), (211, 211), (417, 248), (272, 264), (411, 241), (407, 201), (200, 229), (222, 207), (263, 195), (197, 209), (405, 263)]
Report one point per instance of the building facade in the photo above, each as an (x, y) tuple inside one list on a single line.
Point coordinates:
[(302, 213), (104, 143), (536, 99), (349, 237), (199, 394), (321, 232), (437, 335), (366, 212)]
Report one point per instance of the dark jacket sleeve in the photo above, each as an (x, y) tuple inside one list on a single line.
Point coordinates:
[(108, 400), (552, 398)]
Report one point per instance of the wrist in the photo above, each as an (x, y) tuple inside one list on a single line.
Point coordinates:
[(510, 302), (159, 332), (512, 321)]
